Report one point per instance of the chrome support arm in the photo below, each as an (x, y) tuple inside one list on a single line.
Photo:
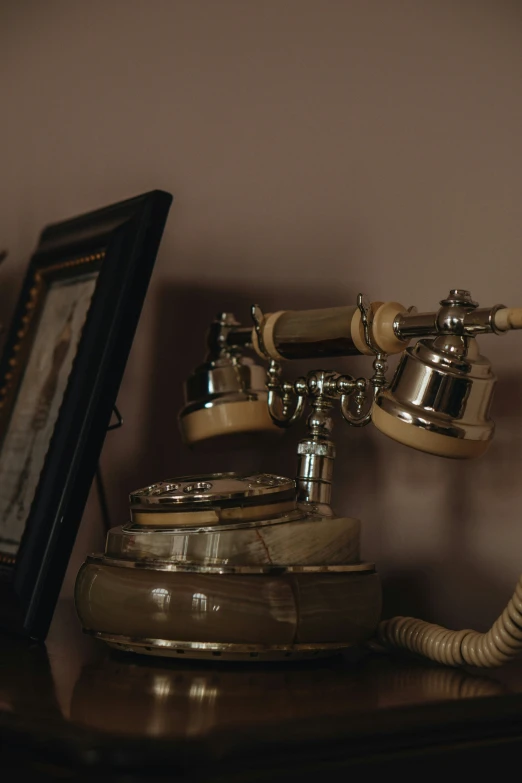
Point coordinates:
[(285, 402)]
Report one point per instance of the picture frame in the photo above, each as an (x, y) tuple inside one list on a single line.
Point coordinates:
[(60, 372)]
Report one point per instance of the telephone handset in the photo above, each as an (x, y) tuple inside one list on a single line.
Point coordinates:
[(260, 566)]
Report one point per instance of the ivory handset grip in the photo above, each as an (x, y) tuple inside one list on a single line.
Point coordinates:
[(328, 332), (508, 318)]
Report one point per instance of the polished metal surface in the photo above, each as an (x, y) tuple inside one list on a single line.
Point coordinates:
[(458, 314), (316, 494), (212, 490), (190, 568), (227, 375), (439, 386), (286, 401), (315, 460), (316, 451), (443, 386), (231, 652), (227, 379)]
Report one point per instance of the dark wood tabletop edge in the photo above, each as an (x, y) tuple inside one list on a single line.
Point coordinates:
[(488, 720)]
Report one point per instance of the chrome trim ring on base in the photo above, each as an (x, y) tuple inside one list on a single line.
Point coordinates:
[(227, 652), (190, 568)]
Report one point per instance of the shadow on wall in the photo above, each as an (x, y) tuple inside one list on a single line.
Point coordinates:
[(452, 582)]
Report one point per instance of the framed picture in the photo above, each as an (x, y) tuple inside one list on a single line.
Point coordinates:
[(60, 372)]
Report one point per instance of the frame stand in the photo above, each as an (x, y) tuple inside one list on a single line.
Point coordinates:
[(100, 485)]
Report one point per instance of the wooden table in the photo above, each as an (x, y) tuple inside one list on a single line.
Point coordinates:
[(74, 710)]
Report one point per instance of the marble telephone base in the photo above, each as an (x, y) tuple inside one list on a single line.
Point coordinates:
[(288, 584)]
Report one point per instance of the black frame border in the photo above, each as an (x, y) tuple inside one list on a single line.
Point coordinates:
[(123, 239)]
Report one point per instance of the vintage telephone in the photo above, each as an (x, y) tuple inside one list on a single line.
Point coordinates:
[(259, 566)]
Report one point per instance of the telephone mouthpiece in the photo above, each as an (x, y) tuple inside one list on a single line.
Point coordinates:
[(225, 396)]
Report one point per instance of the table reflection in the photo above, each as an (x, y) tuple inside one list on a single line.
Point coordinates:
[(129, 694), (75, 679)]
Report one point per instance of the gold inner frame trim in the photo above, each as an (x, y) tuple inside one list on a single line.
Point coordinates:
[(30, 307), (34, 295)]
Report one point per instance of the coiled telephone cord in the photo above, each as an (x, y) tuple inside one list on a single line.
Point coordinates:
[(500, 644)]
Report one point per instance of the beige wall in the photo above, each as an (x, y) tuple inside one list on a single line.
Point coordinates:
[(314, 149)]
